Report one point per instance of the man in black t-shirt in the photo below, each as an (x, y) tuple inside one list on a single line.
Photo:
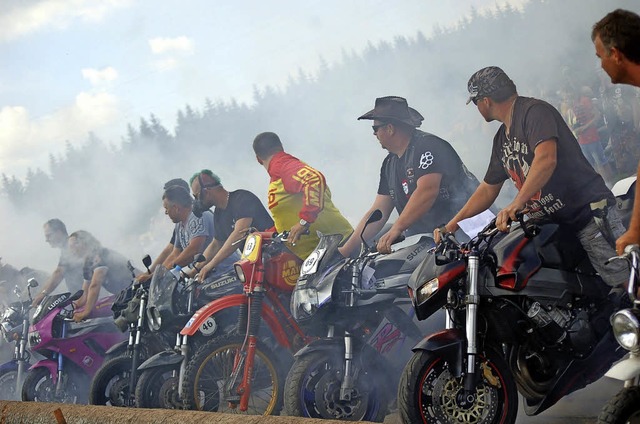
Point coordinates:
[(536, 150), (234, 213), (422, 177)]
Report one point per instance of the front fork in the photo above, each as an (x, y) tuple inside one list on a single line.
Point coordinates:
[(246, 357), (346, 388), (60, 358), (472, 301)]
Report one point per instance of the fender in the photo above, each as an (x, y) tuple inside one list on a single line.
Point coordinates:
[(321, 345), (626, 369), (211, 308), (449, 344), (119, 347), (12, 365), (166, 358), (52, 366)]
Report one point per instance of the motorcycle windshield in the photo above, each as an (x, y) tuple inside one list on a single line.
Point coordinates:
[(163, 291), (323, 258), (48, 304)]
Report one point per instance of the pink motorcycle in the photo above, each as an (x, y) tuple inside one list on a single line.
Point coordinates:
[(73, 351)]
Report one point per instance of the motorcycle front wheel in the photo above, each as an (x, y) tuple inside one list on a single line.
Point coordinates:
[(158, 388), (623, 408), (110, 385), (8, 381), (38, 386), (429, 392), (213, 375), (313, 386)]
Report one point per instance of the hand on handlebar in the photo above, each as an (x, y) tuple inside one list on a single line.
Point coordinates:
[(296, 232), (79, 316), (509, 214), (388, 239), (628, 238), (202, 274), (441, 232)]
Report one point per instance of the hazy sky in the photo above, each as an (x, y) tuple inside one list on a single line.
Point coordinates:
[(73, 66)]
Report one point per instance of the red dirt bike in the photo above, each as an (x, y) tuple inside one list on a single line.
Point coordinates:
[(244, 371)]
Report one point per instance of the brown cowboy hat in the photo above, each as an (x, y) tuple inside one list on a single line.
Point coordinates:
[(394, 108)]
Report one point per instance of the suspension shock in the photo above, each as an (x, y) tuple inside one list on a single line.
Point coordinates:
[(472, 301)]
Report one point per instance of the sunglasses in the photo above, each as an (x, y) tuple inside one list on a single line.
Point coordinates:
[(377, 127), (475, 100)]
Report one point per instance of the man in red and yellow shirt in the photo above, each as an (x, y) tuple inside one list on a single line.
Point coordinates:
[(299, 198)]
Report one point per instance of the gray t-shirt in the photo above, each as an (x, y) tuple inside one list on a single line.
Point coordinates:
[(194, 227), (72, 266)]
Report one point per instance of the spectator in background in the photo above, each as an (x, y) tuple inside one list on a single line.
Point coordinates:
[(585, 127)]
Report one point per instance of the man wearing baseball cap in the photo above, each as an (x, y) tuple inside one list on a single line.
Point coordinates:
[(422, 177), (535, 148)]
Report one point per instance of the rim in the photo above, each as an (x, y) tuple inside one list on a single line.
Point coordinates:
[(441, 395), (215, 372)]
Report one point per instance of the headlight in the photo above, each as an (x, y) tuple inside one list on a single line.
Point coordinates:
[(427, 290), (304, 303), (155, 320), (34, 338), (626, 328), (239, 272)]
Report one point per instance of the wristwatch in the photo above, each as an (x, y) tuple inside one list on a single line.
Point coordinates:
[(304, 223)]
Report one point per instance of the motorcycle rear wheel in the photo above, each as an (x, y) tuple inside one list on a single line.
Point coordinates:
[(623, 408), (211, 368), (429, 393), (312, 390), (8, 381), (110, 385)]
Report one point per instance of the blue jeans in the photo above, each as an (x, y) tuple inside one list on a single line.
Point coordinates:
[(599, 250)]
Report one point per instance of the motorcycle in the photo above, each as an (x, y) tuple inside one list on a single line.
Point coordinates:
[(243, 371), (73, 351), (361, 311), (171, 304), (15, 328), (624, 407), (112, 383), (526, 313)]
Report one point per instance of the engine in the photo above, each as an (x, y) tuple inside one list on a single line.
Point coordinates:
[(563, 328)]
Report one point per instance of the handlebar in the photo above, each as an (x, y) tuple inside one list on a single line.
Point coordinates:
[(632, 256)]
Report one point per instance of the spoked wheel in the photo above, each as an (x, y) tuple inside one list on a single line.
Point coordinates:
[(153, 386), (623, 408), (213, 377), (110, 385), (38, 386), (8, 381), (313, 386), (429, 392)]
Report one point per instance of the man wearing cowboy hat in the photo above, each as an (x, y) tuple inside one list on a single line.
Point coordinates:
[(422, 177)]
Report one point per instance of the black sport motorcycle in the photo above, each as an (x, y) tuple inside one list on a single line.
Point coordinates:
[(113, 382), (526, 313), (361, 313)]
